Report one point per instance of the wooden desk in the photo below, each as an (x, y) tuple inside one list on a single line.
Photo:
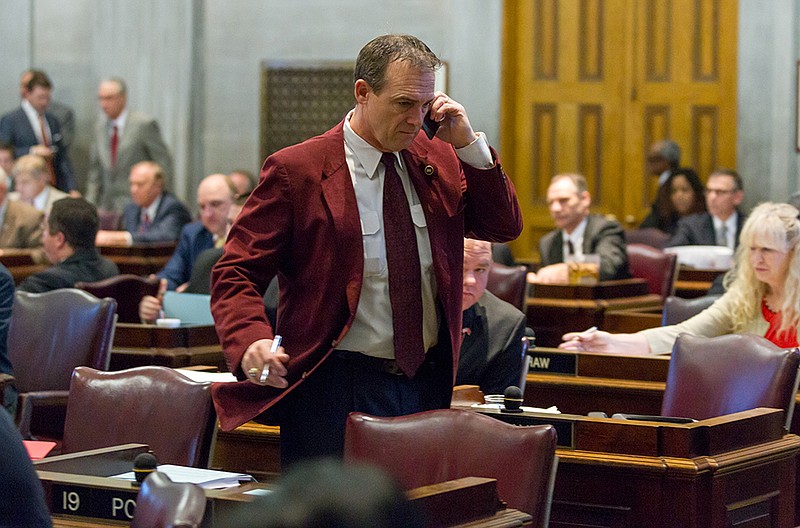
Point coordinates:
[(80, 494), (136, 345), (22, 262), (139, 259), (630, 321), (554, 309), (694, 282), (616, 473)]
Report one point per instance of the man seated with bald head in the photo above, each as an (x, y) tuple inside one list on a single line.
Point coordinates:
[(215, 196), (154, 214), (493, 329)]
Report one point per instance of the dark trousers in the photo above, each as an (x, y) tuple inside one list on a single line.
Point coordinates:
[(314, 414)]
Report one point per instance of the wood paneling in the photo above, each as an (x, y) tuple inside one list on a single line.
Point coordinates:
[(589, 85)]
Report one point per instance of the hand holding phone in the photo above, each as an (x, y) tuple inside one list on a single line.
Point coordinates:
[(429, 125)]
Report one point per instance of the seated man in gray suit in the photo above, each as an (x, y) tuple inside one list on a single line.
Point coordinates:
[(122, 138), (20, 223), (491, 352), (155, 215), (579, 233), (722, 223)]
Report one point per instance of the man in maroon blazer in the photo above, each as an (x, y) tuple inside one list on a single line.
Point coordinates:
[(316, 220)]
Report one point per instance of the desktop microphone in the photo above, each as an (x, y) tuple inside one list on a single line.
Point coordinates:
[(143, 465), (512, 399)]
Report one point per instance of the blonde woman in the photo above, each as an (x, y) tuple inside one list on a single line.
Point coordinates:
[(763, 296)]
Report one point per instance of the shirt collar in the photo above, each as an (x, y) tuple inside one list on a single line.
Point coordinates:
[(577, 234), (40, 199), (30, 111), (368, 156), (152, 209), (120, 121)]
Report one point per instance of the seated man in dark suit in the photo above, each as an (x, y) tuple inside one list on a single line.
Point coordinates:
[(722, 223), (68, 240), (21, 495), (493, 329), (155, 215), (215, 197), (579, 233)]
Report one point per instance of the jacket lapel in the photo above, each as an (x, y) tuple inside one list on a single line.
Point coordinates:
[(340, 199)]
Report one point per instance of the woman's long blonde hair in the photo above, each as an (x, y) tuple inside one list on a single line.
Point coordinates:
[(775, 226)]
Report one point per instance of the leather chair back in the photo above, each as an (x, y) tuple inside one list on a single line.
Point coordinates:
[(659, 269), (650, 236), (678, 309), (51, 333), (711, 377), (162, 503), (447, 444), (508, 283), (126, 289), (151, 405)]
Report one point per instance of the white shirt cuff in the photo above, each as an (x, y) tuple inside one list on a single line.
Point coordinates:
[(477, 153)]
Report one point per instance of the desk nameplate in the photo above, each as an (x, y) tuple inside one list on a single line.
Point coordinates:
[(553, 363)]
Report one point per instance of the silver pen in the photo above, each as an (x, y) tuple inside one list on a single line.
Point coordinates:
[(276, 343)]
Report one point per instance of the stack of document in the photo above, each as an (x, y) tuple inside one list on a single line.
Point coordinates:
[(205, 478)]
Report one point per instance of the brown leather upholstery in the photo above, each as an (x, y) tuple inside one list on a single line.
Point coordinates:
[(650, 236), (659, 269), (722, 375), (151, 405), (436, 446), (508, 283), (678, 309), (127, 290), (162, 503), (49, 335)]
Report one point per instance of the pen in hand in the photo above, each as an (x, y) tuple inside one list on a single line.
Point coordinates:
[(276, 343)]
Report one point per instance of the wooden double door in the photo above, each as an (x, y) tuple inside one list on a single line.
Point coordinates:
[(589, 85)]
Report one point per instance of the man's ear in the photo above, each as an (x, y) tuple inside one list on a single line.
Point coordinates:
[(362, 89), (60, 239)]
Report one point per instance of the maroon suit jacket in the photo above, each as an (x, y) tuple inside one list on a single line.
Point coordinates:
[(302, 224)]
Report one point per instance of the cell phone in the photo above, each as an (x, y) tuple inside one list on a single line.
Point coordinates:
[(429, 125)]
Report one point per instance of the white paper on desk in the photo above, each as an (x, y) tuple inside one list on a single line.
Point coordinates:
[(205, 478), (500, 406), (203, 376)]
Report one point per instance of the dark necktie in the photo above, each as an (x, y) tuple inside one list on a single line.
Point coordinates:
[(402, 258), (145, 223), (114, 144), (570, 248), (46, 142)]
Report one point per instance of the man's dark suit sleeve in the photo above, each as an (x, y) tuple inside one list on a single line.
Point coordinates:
[(610, 245), (683, 234), (504, 369)]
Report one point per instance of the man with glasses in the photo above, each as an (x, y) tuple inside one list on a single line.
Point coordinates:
[(215, 196), (722, 223)]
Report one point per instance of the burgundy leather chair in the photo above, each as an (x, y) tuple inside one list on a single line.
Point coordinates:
[(162, 503), (508, 283), (49, 335), (678, 309), (127, 290), (151, 405), (659, 269), (436, 446), (711, 377)]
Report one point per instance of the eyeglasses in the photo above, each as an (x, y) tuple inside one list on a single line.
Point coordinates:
[(720, 191)]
